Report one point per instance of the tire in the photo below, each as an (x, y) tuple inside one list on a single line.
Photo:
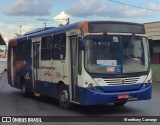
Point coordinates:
[(64, 100), (120, 103)]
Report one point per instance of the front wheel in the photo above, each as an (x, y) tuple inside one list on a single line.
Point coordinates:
[(64, 100), (119, 103)]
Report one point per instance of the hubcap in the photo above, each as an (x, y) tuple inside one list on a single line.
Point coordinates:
[(64, 96)]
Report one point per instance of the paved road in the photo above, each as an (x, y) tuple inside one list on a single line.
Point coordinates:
[(12, 103), (3, 65)]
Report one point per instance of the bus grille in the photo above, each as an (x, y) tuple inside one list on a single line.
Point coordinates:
[(118, 81)]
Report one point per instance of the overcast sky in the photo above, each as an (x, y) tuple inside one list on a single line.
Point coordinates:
[(32, 14)]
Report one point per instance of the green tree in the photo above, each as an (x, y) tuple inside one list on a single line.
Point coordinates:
[(17, 34), (61, 25)]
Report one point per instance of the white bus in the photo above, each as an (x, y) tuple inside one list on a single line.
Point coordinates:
[(87, 63)]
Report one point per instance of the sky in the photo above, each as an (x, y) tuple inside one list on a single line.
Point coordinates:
[(32, 14)]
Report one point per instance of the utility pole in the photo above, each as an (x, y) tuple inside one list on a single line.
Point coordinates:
[(45, 24), (20, 32), (68, 21)]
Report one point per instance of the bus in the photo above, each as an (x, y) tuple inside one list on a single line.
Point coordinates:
[(86, 63)]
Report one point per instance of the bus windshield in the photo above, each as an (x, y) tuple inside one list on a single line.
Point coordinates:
[(113, 54)]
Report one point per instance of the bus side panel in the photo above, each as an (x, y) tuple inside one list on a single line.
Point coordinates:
[(9, 65), (11, 62), (23, 64), (53, 72), (51, 77), (19, 69), (24, 74), (48, 88)]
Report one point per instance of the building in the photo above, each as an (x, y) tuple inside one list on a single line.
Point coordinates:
[(153, 32), (2, 47), (2, 42)]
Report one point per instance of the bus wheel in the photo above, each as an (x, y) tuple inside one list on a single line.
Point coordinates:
[(64, 101), (119, 103)]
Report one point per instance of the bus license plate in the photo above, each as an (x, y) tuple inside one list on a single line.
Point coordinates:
[(123, 96)]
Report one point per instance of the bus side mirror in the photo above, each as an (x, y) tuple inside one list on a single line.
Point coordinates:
[(151, 47), (80, 44)]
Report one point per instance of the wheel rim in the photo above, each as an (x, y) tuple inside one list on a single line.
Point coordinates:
[(64, 96)]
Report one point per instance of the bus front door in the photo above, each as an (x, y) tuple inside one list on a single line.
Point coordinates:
[(74, 67), (35, 56)]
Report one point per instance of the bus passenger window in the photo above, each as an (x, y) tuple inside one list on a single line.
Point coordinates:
[(19, 51), (23, 51), (59, 47), (27, 49), (46, 48)]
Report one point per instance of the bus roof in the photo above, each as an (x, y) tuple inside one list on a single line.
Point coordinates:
[(38, 30), (84, 26)]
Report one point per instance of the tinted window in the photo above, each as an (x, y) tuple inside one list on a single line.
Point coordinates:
[(46, 47), (27, 49), (59, 47), (19, 55), (23, 50)]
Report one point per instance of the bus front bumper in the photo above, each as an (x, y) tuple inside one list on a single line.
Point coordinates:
[(93, 97)]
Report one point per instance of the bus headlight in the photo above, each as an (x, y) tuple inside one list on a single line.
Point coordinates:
[(147, 82), (90, 85)]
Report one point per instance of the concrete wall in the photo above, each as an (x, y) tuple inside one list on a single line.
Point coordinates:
[(3, 53), (153, 30)]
